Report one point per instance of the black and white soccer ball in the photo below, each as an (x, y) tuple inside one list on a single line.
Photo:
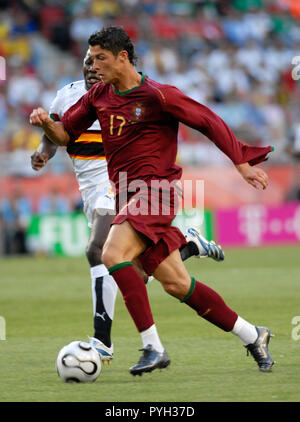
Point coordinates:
[(78, 361)]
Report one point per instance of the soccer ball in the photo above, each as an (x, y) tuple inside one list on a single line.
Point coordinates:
[(78, 361)]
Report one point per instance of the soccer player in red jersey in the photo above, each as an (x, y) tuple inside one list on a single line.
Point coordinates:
[(89, 165), (139, 119)]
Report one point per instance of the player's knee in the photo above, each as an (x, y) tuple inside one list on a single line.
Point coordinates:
[(118, 249), (93, 253), (110, 256), (176, 286), (173, 289)]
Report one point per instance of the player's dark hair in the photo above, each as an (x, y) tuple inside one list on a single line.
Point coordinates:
[(114, 39)]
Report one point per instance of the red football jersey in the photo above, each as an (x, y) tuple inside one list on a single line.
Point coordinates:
[(140, 128)]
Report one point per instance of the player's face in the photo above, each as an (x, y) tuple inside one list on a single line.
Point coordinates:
[(107, 66), (90, 75)]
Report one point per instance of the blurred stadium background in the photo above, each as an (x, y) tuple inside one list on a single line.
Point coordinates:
[(233, 56)]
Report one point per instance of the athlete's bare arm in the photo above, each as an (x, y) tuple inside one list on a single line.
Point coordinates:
[(55, 131), (43, 153), (255, 176)]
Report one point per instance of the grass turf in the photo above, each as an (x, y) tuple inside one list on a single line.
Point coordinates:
[(46, 303)]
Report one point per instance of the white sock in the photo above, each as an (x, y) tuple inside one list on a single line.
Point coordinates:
[(109, 289), (99, 271), (245, 331), (150, 336)]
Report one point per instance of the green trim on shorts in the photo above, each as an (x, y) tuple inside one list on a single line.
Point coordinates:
[(193, 283), (118, 267)]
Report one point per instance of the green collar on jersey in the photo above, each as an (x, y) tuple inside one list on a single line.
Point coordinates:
[(132, 89)]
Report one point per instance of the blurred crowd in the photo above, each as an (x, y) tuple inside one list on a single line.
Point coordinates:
[(234, 56), (17, 210)]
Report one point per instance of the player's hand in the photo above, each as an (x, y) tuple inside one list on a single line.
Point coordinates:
[(255, 176), (38, 160), (40, 117)]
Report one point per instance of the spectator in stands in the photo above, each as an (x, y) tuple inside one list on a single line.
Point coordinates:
[(82, 26), (54, 203), (16, 212), (222, 53)]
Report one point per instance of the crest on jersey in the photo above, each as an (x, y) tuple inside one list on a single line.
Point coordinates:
[(138, 111)]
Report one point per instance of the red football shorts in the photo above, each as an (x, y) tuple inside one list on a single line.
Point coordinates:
[(151, 212)]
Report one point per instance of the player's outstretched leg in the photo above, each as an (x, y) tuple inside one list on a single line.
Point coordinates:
[(122, 246), (104, 288), (211, 306), (135, 295), (200, 247), (104, 292)]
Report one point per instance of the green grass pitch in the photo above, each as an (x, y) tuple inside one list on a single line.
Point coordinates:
[(46, 303)]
